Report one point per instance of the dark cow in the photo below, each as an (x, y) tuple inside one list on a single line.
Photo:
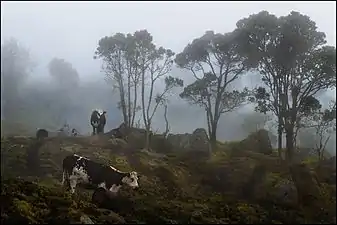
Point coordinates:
[(78, 169), (41, 133), (74, 132), (95, 121)]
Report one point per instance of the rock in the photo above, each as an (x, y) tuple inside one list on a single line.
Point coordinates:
[(197, 141), (258, 142), (86, 219)]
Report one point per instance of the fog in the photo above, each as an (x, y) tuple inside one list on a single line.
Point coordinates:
[(71, 31)]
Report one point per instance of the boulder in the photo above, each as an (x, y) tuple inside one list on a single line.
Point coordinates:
[(258, 142), (197, 141)]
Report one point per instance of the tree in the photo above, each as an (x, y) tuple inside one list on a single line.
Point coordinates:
[(64, 73), (167, 125), (323, 124), (16, 65), (294, 64), (120, 63), (155, 63), (215, 64), (130, 61)]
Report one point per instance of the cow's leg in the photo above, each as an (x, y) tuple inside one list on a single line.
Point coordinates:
[(73, 183), (93, 130)]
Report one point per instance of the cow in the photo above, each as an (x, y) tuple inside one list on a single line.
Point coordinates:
[(74, 132), (41, 133), (95, 121), (81, 170)]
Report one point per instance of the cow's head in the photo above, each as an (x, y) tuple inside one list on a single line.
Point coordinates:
[(131, 179)]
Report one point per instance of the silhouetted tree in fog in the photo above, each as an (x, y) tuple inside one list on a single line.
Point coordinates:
[(133, 61), (15, 67), (213, 61), (64, 73), (289, 54)]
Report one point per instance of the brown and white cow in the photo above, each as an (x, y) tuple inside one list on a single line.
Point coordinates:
[(78, 169)]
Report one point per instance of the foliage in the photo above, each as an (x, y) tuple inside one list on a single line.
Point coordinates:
[(133, 60), (16, 65), (63, 72), (121, 68), (323, 122), (215, 64), (295, 65)]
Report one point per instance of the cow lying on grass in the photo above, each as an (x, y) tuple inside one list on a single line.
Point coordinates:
[(78, 169)]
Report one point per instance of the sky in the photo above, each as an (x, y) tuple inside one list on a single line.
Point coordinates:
[(71, 30)]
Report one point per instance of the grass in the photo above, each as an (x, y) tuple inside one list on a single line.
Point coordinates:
[(177, 187)]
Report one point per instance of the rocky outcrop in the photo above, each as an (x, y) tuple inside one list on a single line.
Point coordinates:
[(258, 142), (197, 141)]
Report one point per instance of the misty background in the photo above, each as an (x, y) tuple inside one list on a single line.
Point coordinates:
[(71, 31)]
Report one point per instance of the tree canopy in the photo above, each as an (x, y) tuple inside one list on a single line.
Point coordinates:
[(295, 64), (63, 72), (214, 62)]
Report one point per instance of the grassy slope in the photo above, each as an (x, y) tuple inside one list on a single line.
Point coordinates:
[(178, 187)]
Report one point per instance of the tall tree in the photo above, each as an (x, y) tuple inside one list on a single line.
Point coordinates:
[(16, 65), (120, 63), (213, 61), (155, 63), (295, 65)]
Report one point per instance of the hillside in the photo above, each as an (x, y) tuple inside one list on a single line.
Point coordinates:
[(232, 186)]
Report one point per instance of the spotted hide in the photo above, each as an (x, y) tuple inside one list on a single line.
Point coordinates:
[(78, 169)]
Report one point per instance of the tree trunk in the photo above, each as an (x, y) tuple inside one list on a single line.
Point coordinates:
[(167, 129), (279, 137), (212, 136), (129, 100), (123, 105), (134, 105), (289, 142), (147, 137)]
